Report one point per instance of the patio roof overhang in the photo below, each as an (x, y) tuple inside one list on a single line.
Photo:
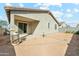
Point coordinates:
[(24, 19)]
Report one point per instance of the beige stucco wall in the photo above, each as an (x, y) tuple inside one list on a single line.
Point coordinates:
[(43, 18), (34, 25)]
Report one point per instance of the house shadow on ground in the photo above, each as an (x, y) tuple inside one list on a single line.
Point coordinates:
[(6, 48), (73, 46)]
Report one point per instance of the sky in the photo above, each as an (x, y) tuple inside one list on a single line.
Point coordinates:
[(63, 12)]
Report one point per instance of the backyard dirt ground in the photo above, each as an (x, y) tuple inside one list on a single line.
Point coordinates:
[(59, 44)]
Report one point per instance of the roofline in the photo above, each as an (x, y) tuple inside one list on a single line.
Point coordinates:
[(54, 18), (10, 8)]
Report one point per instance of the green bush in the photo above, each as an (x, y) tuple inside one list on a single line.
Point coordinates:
[(77, 32), (69, 32)]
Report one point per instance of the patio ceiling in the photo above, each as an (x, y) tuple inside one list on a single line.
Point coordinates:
[(21, 18)]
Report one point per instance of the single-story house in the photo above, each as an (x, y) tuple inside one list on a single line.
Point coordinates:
[(31, 21), (63, 25)]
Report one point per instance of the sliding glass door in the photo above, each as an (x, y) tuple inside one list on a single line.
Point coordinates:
[(22, 27)]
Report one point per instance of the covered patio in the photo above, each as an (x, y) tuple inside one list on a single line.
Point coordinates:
[(25, 25)]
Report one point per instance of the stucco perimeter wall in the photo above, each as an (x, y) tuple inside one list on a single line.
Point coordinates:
[(43, 18)]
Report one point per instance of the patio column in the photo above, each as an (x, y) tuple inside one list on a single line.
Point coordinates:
[(11, 26)]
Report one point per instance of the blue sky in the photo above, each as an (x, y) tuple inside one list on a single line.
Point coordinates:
[(67, 12)]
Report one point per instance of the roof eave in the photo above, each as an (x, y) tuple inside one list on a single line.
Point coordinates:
[(54, 18), (10, 8)]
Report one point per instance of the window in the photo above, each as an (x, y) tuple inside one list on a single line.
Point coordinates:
[(55, 26), (48, 25)]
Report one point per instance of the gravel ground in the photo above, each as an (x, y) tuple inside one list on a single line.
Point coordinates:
[(6, 48)]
